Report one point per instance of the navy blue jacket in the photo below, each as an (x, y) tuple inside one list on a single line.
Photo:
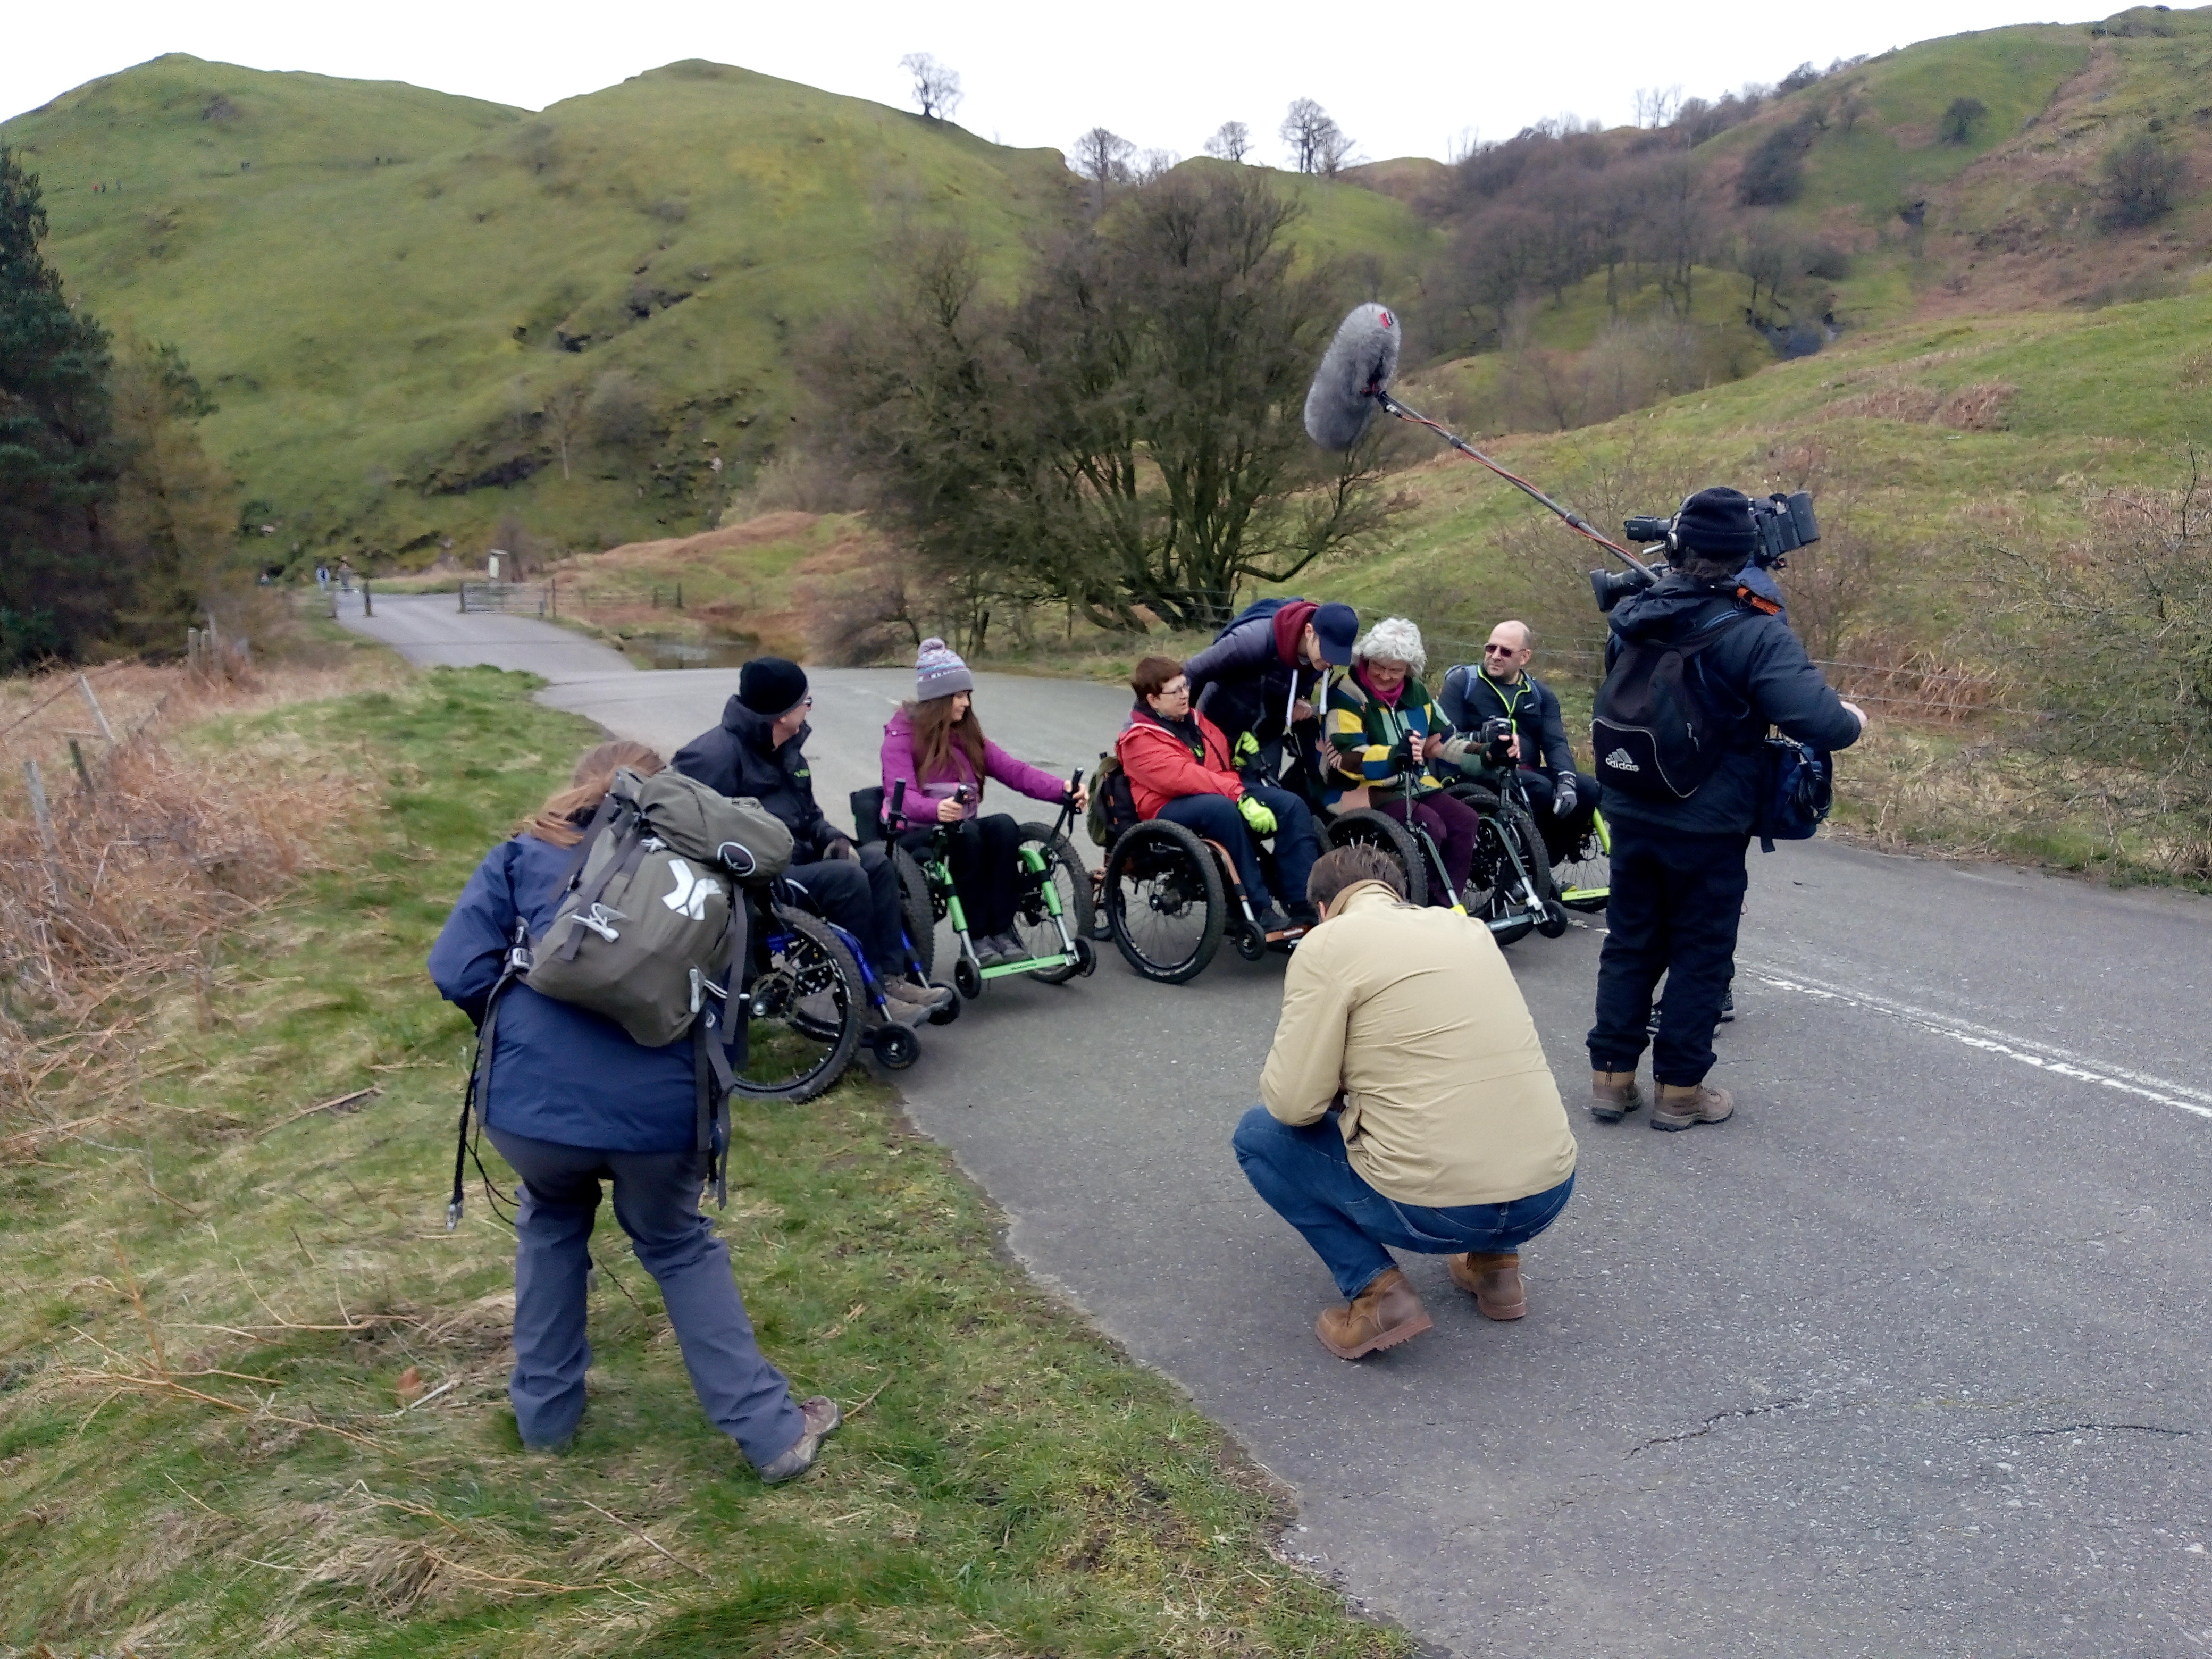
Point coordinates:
[(558, 1071), (1242, 683), (1469, 696), (736, 758), (1756, 662)]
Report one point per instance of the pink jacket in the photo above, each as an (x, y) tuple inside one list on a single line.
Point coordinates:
[(898, 764)]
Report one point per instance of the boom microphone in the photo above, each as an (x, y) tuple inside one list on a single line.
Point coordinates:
[(1353, 381), (1354, 371)]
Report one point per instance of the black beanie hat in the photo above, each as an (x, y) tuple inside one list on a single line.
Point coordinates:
[(1716, 524), (771, 685)]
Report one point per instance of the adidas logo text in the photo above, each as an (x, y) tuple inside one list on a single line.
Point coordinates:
[(1619, 762)]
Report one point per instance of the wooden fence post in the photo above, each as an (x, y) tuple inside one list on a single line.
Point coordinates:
[(39, 808), (83, 772), (98, 717), (464, 607), (367, 606)]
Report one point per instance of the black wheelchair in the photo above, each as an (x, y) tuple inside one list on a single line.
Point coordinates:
[(1170, 895), (1052, 913), (807, 995)]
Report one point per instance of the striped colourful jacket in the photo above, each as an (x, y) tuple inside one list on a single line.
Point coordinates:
[(1360, 732)]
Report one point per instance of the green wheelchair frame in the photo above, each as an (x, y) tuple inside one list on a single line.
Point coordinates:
[(1041, 903)]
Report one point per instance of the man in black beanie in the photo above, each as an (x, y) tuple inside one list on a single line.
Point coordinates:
[(1678, 864), (758, 749)]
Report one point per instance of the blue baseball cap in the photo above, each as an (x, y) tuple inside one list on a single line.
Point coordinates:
[(1336, 626)]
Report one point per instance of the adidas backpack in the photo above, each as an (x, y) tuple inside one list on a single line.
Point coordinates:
[(1658, 729)]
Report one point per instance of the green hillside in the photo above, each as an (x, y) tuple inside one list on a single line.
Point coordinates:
[(394, 293)]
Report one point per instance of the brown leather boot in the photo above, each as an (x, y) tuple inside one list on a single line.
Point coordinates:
[(1493, 1280), (1681, 1104), (1383, 1315), (1613, 1095)]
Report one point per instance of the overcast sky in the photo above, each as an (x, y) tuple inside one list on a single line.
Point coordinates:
[(1404, 82)]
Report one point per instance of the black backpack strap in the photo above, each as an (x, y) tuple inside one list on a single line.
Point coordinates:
[(712, 1077), (475, 1096)]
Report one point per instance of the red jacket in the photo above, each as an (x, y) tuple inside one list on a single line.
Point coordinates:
[(1162, 769)]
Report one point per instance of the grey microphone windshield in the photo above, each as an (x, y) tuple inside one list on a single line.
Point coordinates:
[(1359, 363)]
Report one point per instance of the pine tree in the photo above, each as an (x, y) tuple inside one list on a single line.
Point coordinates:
[(55, 472)]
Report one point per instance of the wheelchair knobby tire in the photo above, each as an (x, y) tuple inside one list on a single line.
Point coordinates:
[(1067, 871), (1165, 901), (916, 911), (1489, 897), (1362, 826), (1587, 872), (816, 964), (1526, 835)]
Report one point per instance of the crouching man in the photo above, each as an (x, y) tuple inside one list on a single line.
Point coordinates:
[(1408, 1104)]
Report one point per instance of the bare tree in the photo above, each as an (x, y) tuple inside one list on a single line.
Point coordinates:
[(1232, 142), (1318, 144), (1103, 157), (936, 87), (564, 409), (1656, 106), (1153, 163)]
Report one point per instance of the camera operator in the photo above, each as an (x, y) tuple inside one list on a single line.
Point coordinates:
[(1501, 687), (1679, 873)]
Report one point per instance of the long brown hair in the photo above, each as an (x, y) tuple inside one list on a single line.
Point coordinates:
[(935, 732), (556, 821)]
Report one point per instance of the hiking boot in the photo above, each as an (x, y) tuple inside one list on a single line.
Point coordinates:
[(928, 997), (1273, 920), (1614, 1095), (1493, 1280), (1681, 1104), (1383, 1315), (1727, 1008), (821, 1418)]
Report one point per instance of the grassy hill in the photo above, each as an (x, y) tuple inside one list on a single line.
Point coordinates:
[(398, 295)]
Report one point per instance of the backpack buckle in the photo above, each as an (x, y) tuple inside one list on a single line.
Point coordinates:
[(600, 920)]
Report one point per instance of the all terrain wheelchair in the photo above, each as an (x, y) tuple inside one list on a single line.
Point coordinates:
[(1052, 914), (807, 997), (1581, 881), (1170, 895)]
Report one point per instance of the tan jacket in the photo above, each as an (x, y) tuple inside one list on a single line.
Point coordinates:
[(1414, 1015)]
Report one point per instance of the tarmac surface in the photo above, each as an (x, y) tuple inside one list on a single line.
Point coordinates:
[(1909, 1357)]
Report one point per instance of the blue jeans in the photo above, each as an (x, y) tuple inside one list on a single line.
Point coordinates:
[(1307, 1179), (1216, 818), (657, 1202)]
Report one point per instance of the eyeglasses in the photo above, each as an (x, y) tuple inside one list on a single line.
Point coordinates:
[(1498, 650), (1176, 689)]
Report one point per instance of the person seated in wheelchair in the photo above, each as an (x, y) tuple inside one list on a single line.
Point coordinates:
[(1382, 730), (1178, 766), (758, 751), (1562, 799), (935, 745)]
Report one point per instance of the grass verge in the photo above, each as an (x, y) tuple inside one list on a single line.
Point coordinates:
[(252, 1392)]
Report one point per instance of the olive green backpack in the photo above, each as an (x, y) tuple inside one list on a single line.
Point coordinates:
[(650, 932)]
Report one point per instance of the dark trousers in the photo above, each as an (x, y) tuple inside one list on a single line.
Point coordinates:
[(986, 872), (1216, 818), (657, 1202), (1451, 823), (861, 898), (1676, 902), (1306, 1178), (1561, 835)]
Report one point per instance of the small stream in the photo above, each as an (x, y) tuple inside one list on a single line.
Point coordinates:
[(648, 653)]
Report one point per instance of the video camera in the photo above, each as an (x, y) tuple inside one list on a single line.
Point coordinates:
[(1496, 739), (1784, 523)]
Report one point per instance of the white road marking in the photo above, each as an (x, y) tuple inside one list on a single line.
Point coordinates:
[(2042, 1056)]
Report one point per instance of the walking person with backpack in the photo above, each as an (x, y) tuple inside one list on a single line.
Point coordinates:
[(572, 1099), (1696, 674), (935, 745)]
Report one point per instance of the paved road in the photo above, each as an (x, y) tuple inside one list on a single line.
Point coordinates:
[(1909, 1358)]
